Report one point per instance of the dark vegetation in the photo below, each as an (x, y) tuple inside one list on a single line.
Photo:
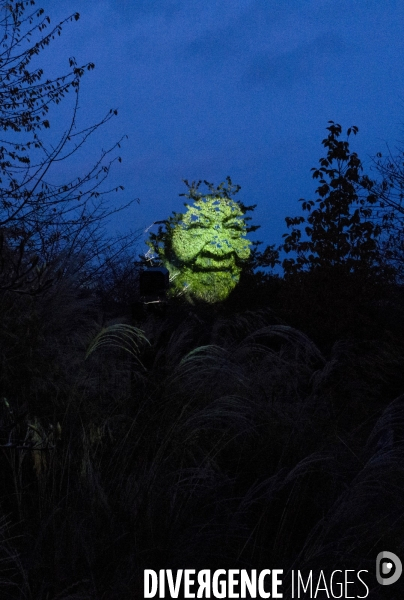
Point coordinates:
[(266, 431)]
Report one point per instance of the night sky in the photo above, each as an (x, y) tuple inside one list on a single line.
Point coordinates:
[(206, 89)]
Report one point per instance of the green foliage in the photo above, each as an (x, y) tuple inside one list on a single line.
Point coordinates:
[(205, 247), (340, 230)]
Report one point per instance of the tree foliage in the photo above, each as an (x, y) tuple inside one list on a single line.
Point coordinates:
[(391, 206), (45, 227), (340, 230)]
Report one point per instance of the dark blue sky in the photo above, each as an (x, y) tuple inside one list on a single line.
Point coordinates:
[(244, 88)]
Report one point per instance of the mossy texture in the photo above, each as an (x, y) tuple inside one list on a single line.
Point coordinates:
[(204, 249)]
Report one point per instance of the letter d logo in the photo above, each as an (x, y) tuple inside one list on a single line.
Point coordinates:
[(388, 564)]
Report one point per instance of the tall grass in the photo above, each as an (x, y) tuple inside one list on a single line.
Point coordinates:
[(196, 440)]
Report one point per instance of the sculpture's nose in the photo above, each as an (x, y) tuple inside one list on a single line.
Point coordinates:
[(218, 243)]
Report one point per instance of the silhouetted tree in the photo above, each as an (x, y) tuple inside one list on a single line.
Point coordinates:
[(45, 228), (391, 206), (341, 229), (338, 277)]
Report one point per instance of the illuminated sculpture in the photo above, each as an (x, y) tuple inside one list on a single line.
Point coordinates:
[(204, 248)]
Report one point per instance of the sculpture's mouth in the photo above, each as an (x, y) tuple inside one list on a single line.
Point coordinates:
[(210, 262)]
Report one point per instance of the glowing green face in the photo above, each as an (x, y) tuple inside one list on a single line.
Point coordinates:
[(207, 247)]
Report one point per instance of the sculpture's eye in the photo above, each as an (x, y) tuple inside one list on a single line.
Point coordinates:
[(234, 227), (234, 224), (199, 225)]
